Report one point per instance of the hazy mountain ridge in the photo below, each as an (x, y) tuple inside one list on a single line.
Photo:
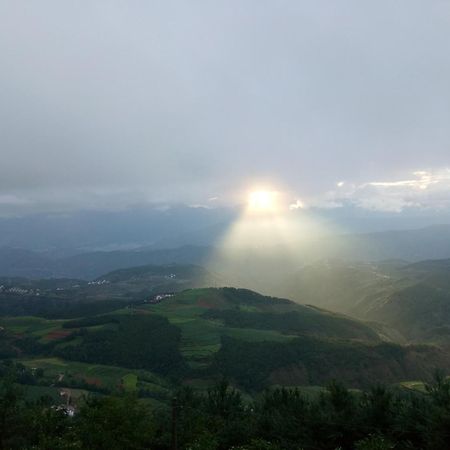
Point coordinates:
[(409, 245), (413, 299)]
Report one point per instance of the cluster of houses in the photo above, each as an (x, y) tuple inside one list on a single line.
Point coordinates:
[(158, 298), (98, 282), (68, 408), (18, 290)]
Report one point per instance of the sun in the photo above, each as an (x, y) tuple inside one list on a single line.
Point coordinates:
[(262, 201)]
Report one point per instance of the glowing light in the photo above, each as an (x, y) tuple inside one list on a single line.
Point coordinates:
[(262, 201), (274, 234)]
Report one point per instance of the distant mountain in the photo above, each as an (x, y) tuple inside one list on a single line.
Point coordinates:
[(261, 268), (411, 298), (86, 231), (337, 285), (432, 242), (165, 278), (421, 312), (19, 262), (92, 265)]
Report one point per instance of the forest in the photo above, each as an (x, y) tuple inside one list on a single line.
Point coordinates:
[(221, 418)]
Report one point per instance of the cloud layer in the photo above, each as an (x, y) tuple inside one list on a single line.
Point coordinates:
[(114, 103), (424, 190)]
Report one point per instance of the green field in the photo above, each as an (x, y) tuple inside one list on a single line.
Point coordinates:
[(129, 382), (414, 385), (109, 377), (36, 392), (200, 337), (32, 326)]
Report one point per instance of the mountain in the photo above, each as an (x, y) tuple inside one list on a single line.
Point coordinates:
[(88, 266), (337, 285), (420, 312), (257, 267), (258, 340), (200, 335), (69, 233), (93, 265), (65, 298), (432, 242), (159, 279), (17, 262), (411, 298)]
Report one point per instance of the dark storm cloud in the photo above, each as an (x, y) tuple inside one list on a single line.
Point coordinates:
[(191, 100)]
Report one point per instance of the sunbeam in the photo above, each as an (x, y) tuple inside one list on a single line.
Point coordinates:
[(268, 239)]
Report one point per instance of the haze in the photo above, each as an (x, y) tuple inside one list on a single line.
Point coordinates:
[(113, 104)]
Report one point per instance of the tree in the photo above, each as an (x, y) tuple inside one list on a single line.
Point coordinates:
[(114, 423)]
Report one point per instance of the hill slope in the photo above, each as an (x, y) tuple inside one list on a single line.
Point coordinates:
[(256, 341), (412, 298)]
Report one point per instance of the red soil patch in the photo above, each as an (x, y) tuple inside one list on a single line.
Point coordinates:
[(58, 334), (93, 381), (205, 304)]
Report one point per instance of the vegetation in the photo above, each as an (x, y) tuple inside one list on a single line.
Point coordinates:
[(141, 342), (412, 299), (199, 335), (221, 419), (304, 321), (119, 368)]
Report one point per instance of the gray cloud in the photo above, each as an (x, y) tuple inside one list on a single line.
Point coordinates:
[(145, 101), (421, 190)]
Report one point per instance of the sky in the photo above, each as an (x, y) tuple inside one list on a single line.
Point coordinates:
[(105, 104)]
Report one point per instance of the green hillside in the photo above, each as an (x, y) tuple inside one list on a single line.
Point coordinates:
[(421, 312), (151, 273), (200, 335), (339, 286), (413, 299)]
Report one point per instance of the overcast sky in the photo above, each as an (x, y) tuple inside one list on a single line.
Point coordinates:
[(118, 102)]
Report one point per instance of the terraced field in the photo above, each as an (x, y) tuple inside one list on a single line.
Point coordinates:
[(112, 378), (38, 327), (201, 337)]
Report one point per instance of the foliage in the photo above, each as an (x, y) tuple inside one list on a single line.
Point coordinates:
[(112, 423), (220, 419), (305, 321), (141, 342)]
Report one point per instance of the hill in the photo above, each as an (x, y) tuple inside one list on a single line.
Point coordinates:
[(258, 268), (67, 298), (17, 262), (261, 340), (201, 335), (337, 285), (152, 274), (411, 298)]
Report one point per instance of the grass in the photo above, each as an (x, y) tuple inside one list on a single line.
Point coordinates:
[(33, 393), (414, 385), (109, 377), (200, 337), (129, 382), (29, 325)]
